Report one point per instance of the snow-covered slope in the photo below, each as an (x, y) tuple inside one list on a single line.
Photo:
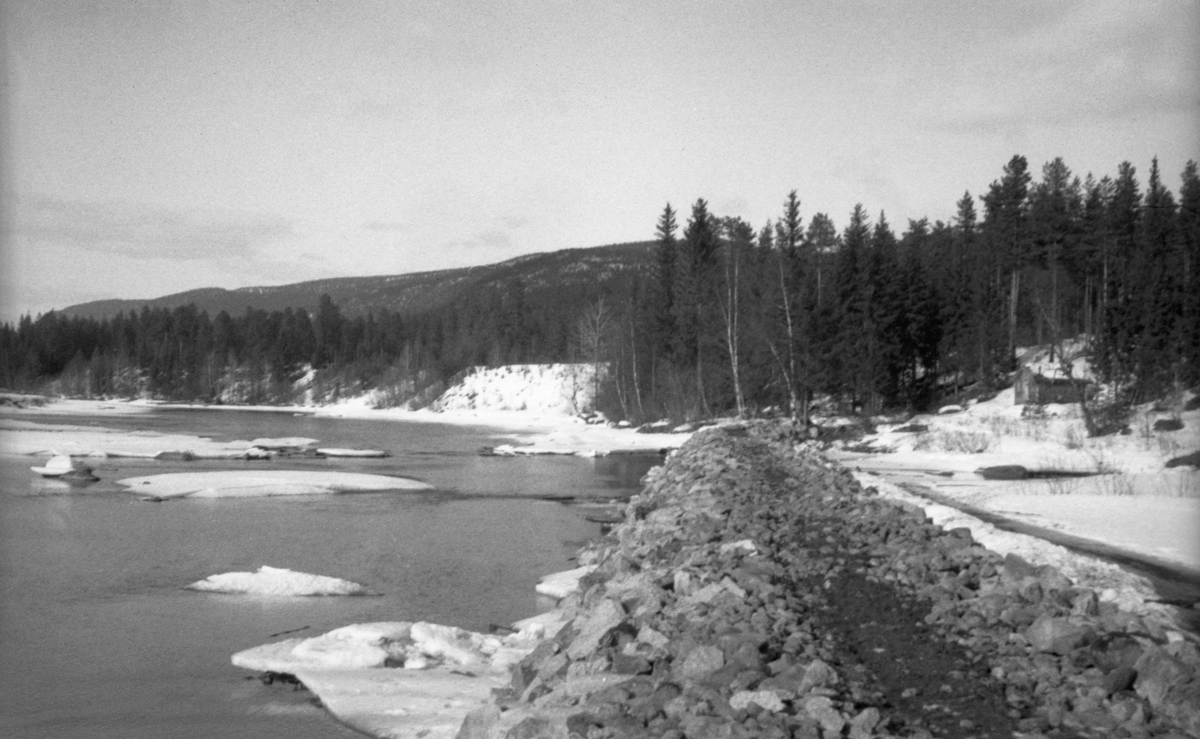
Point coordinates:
[(539, 388)]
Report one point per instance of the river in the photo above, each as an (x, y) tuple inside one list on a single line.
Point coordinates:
[(98, 638)]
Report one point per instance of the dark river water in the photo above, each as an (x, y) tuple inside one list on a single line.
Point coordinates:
[(98, 638)]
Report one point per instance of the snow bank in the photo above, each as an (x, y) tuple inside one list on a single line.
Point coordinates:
[(1136, 504), (238, 484), (277, 581), (542, 388)]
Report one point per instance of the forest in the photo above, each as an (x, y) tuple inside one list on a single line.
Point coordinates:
[(726, 317)]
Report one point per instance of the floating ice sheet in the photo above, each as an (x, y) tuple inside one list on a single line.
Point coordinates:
[(277, 581), (239, 484)]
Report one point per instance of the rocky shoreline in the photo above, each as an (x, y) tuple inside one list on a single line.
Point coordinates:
[(757, 590)]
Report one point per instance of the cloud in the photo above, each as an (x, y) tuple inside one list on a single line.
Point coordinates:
[(144, 231)]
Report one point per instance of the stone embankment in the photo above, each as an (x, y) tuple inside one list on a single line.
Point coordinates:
[(756, 590)]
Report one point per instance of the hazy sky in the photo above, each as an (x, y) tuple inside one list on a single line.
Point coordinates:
[(154, 147)]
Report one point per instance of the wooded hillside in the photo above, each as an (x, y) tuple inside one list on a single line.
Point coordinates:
[(718, 315)]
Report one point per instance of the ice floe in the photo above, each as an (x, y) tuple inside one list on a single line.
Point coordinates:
[(59, 465), (338, 452), (562, 584), (397, 678), (239, 484), (277, 581)]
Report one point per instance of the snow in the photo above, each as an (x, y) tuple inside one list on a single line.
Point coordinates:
[(536, 405), (542, 388), (1037, 358), (1137, 504), (286, 442), (402, 703), (562, 584), (341, 452), (398, 678), (241, 484), (59, 465), (277, 581), (20, 436)]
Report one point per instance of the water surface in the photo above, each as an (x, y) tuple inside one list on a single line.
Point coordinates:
[(98, 638)]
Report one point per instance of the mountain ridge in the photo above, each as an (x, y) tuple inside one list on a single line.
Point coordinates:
[(403, 293)]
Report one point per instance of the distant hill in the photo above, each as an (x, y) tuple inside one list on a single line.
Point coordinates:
[(568, 270)]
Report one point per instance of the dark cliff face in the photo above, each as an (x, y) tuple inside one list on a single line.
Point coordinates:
[(560, 272)]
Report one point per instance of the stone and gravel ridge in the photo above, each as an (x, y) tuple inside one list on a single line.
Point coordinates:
[(757, 590)]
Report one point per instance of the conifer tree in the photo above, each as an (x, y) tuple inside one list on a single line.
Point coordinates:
[(694, 296), (663, 296), (1189, 278), (1006, 229)]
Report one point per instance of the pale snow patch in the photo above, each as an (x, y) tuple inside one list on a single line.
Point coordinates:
[(277, 581)]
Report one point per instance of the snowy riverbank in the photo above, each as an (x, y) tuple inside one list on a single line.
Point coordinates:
[(1128, 493)]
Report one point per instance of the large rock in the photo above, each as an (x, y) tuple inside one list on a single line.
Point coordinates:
[(1157, 673), (700, 662), (605, 617), (1057, 635), (1003, 472)]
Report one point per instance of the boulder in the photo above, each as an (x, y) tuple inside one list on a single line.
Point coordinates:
[(1003, 472), (700, 662), (766, 699), (821, 710), (1168, 424), (1157, 673), (605, 617), (1057, 635), (1189, 460)]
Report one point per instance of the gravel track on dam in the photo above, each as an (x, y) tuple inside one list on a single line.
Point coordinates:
[(757, 590)]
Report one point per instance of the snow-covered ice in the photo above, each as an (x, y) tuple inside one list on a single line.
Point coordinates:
[(241, 484), (562, 584), (277, 581), (59, 465), (341, 452), (392, 679)]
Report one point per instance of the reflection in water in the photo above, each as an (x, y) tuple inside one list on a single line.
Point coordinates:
[(626, 470)]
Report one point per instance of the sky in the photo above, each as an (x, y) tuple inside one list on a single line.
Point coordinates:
[(151, 147)]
